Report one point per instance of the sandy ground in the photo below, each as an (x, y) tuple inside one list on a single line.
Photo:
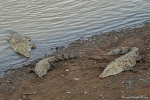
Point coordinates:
[(77, 79)]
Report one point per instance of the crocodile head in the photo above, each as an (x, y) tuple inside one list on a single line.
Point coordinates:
[(21, 44), (108, 72)]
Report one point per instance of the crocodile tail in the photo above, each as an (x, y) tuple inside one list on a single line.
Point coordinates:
[(61, 57), (69, 56), (52, 59), (65, 57), (121, 50)]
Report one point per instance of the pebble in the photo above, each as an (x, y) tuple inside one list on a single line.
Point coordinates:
[(67, 70), (101, 96), (24, 96), (76, 79), (85, 92), (68, 92), (107, 33), (62, 75)]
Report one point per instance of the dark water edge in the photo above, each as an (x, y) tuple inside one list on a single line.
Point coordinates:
[(69, 46)]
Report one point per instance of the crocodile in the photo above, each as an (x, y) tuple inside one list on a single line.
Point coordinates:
[(122, 63), (47, 64), (20, 44)]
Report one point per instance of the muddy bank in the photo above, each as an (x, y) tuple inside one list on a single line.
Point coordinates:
[(77, 79)]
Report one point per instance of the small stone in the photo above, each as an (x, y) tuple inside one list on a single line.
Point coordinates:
[(68, 92), (20, 66), (107, 33), (62, 75), (85, 92), (66, 56), (76, 79), (24, 96), (67, 70)]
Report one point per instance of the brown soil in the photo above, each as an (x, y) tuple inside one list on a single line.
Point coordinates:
[(77, 79)]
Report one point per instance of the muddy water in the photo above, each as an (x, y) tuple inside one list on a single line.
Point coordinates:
[(51, 23)]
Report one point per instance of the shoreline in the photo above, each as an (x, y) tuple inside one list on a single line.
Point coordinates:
[(33, 62), (91, 63)]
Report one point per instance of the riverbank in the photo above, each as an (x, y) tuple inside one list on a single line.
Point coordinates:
[(77, 79)]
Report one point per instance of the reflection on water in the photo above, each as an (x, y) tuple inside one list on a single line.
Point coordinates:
[(50, 23)]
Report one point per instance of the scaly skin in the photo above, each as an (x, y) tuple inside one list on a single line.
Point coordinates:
[(121, 50), (21, 44), (123, 63), (47, 64)]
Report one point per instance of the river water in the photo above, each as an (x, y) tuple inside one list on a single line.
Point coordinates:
[(51, 23)]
